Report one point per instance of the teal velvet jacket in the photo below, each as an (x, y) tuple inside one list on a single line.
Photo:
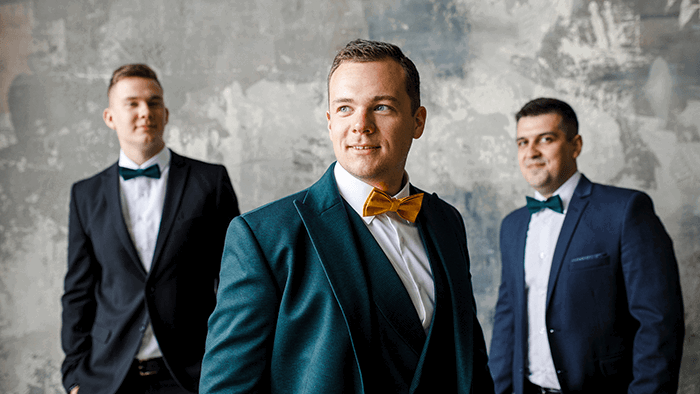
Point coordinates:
[(308, 303)]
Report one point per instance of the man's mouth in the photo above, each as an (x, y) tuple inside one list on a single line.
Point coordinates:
[(363, 147)]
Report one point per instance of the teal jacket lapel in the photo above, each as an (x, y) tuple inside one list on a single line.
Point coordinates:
[(577, 205), (387, 290), (448, 251), (338, 254)]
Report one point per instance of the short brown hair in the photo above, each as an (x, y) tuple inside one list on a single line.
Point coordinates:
[(132, 70), (546, 105), (371, 51)]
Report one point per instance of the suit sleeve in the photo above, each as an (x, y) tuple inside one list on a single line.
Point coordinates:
[(654, 297), (503, 339), (227, 201), (78, 299), (481, 376), (227, 207), (239, 340), (482, 381)]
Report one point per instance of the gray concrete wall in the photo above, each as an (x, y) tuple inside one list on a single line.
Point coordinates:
[(245, 84)]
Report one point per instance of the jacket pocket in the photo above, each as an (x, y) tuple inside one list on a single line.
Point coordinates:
[(590, 261), (100, 334)]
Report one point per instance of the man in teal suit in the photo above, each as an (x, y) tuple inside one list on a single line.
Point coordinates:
[(323, 292)]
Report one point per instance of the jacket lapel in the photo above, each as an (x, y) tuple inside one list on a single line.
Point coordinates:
[(113, 198), (578, 204), (177, 179), (520, 240), (337, 253), (387, 290), (443, 246)]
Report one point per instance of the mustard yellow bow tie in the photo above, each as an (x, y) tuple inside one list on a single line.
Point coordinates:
[(379, 202)]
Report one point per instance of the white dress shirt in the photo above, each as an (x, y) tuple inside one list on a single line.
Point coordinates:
[(400, 241), (142, 201), (542, 235)]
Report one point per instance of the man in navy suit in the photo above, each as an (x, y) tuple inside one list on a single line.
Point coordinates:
[(351, 285), (145, 238), (590, 299)]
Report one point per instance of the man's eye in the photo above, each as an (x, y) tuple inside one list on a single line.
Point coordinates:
[(344, 108), (382, 107)]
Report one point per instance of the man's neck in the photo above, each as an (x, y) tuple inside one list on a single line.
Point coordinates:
[(141, 156)]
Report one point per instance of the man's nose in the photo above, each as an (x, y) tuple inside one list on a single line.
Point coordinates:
[(364, 122), (144, 110), (531, 151)]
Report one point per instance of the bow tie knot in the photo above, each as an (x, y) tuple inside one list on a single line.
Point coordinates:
[(150, 172), (379, 202), (554, 203)]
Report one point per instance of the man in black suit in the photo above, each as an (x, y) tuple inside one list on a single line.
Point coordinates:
[(145, 238)]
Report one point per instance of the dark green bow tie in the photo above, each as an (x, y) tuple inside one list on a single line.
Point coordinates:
[(151, 172), (553, 203)]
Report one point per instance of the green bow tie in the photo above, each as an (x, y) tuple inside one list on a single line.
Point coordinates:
[(553, 203), (151, 172)]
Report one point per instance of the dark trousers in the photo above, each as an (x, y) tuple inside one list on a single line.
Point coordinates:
[(154, 380)]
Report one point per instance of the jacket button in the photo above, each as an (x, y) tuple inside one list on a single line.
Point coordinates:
[(551, 331), (559, 371)]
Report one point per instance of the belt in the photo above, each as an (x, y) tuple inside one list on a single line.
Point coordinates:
[(150, 367), (531, 388)]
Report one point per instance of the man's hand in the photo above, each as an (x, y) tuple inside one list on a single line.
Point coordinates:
[(75, 390)]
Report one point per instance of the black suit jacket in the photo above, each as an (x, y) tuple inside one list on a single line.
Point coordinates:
[(109, 298)]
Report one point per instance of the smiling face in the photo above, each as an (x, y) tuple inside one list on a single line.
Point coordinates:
[(370, 121), (138, 114), (547, 159)]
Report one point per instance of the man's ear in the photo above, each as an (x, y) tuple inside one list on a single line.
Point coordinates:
[(578, 145), (328, 118), (107, 117), (419, 118)]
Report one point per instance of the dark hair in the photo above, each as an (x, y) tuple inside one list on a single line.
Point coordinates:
[(371, 51), (132, 70), (544, 106)]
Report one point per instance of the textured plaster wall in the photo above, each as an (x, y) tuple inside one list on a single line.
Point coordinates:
[(245, 84)]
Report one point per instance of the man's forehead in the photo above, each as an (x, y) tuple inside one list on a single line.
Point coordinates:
[(125, 88), (539, 124)]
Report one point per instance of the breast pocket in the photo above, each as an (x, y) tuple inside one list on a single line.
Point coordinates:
[(589, 261)]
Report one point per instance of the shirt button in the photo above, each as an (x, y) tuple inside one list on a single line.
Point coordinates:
[(541, 330), (543, 255)]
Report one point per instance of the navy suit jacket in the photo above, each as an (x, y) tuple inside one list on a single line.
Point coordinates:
[(614, 310), (109, 297), (306, 305)]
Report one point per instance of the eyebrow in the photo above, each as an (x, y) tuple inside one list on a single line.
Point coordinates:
[(374, 99), (538, 135), (154, 97)]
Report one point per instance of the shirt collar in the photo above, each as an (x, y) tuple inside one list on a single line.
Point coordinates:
[(161, 158), (565, 191), (355, 191)]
